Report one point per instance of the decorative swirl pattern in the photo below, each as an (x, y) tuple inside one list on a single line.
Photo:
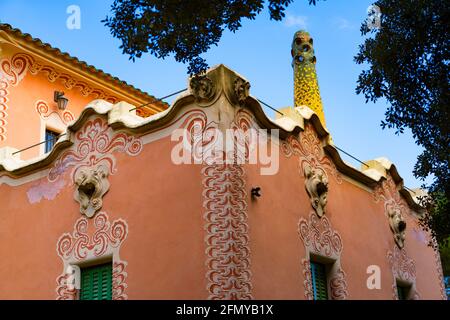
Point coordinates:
[(119, 275), (387, 191), (404, 269), (245, 135), (95, 143), (338, 286), (320, 239), (44, 112), (12, 72), (203, 140), (317, 233), (80, 245), (3, 107), (63, 292), (437, 260), (200, 136), (227, 240), (310, 152), (307, 283)]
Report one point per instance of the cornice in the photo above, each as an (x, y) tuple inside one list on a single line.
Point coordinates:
[(218, 81), (72, 65)]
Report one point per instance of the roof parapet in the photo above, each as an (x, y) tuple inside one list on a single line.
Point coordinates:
[(9, 157), (375, 168), (217, 81)]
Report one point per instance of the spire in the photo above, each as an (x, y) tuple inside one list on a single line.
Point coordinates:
[(306, 87)]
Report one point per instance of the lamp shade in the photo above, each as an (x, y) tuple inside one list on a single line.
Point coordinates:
[(61, 100)]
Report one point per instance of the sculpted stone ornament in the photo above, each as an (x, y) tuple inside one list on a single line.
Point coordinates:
[(202, 88), (219, 82), (317, 187), (398, 226), (91, 185), (241, 90)]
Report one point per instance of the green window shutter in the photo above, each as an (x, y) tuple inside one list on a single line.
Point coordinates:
[(96, 282), (319, 281)]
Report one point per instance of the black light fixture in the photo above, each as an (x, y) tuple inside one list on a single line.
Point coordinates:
[(60, 100), (256, 192)]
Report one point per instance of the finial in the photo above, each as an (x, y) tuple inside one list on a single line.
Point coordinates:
[(302, 48), (306, 87)]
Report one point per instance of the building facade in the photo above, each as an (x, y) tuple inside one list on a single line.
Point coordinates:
[(208, 199)]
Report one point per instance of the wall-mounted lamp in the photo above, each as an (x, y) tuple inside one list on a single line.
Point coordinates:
[(60, 100), (256, 192)]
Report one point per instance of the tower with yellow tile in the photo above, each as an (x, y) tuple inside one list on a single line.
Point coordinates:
[(306, 86)]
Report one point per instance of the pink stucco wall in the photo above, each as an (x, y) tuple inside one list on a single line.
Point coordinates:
[(166, 247)]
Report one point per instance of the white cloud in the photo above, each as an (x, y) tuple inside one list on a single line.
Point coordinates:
[(343, 24), (295, 21)]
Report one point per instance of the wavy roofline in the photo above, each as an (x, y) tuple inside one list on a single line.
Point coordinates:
[(119, 118)]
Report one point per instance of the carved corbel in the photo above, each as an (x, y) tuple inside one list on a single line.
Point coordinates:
[(241, 90), (91, 184), (398, 226), (316, 184), (203, 89)]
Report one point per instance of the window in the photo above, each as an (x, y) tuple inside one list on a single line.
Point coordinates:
[(402, 291), (50, 140), (96, 282), (319, 281)]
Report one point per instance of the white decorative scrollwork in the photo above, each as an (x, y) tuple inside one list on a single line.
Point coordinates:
[(80, 245), (320, 240), (403, 269)]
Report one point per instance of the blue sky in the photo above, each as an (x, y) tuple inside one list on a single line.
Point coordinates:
[(260, 51)]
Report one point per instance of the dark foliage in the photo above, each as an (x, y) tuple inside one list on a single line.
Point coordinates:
[(183, 28), (408, 59)]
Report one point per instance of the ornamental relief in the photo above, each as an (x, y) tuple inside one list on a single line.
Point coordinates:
[(82, 245), (91, 184), (11, 74), (439, 271), (92, 160), (226, 223), (45, 112), (403, 269), (203, 139), (317, 187), (95, 143), (207, 88), (203, 89), (227, 233), (13, 71), (28, 63), (313, 164), (241, 90), (321, 240), (395, 208)]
